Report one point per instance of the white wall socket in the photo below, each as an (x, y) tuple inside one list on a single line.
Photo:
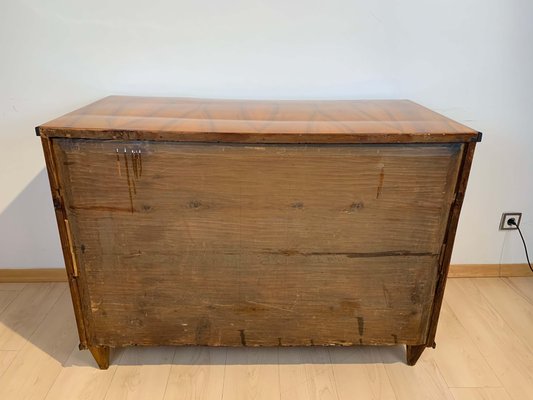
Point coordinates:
[(504, 226)]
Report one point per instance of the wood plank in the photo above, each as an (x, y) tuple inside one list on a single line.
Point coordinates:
[(6, 357), (12, 286), (197, 373), (260, 121), (79, 378), (452, 217), (422, 381), (66, 240), (142, 373), (39, 362), (515, 270), (6, 297), (32, 275), (523, 286), (25, 313), (457, 357), (360, 373), (504, 351), (480, 394), (257, 306), (488, 270), (251, 373), (306, 373), (515, 310), (256, 244), (456, 271), (474, 270)]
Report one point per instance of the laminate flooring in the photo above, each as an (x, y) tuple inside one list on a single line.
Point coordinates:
[(484, 352)]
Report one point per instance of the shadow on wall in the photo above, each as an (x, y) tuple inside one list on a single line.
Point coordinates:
[(28, 230)]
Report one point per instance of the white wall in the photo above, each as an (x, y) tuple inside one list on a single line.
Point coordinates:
[(469, 59)]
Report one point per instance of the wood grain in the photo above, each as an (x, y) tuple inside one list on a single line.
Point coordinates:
[(256, 223), (197, 373), (457, 356), (251, 374), (505, 352), (480, 394), (31, 275), (421, 382), (24, 314), (358, 372), (143, 375), (38, 363), (258, 121), (306, 374), (79, 380), (243, 240), (447, 244)]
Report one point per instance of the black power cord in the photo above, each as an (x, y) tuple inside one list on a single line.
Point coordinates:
[(512, 222)]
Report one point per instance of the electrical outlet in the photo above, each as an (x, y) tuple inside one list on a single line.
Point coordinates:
[(504, 226)]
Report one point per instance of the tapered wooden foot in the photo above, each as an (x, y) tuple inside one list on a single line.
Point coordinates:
[(101, 355), (413, 353)]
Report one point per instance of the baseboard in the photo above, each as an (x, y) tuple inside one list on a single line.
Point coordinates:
[(33, 275), (488, 270), (456, 271)]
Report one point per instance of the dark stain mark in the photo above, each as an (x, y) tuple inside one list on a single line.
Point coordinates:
[(279, 341), (394, 253), (354, 207), (386, 294), (134, 163), (57, 203), (100, 208), (118, 164), (299, 205), (361, 325), (69, 162), (416, 297), (134, 176), (135, 254), (360, 340), (140, 164), (128, 179), (203, 331), (312, 342), (146, 207), (380, 185), (349, 305), (137, 322), (243, 337), (195, 204), (83, 248), (286, 252), (395, 337)]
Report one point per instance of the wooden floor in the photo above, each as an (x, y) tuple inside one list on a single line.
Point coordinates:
[(484, 351)]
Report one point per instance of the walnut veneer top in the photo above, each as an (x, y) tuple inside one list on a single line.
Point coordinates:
[(258, 121)]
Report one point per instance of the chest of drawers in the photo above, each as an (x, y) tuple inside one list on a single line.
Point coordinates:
[(256, 223)]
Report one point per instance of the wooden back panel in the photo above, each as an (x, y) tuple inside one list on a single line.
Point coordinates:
[(233, 244)]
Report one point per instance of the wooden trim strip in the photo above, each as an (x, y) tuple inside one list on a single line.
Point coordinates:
[(453, 220), (488, 270), (33, 275), (66, 244), (456, 271)]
